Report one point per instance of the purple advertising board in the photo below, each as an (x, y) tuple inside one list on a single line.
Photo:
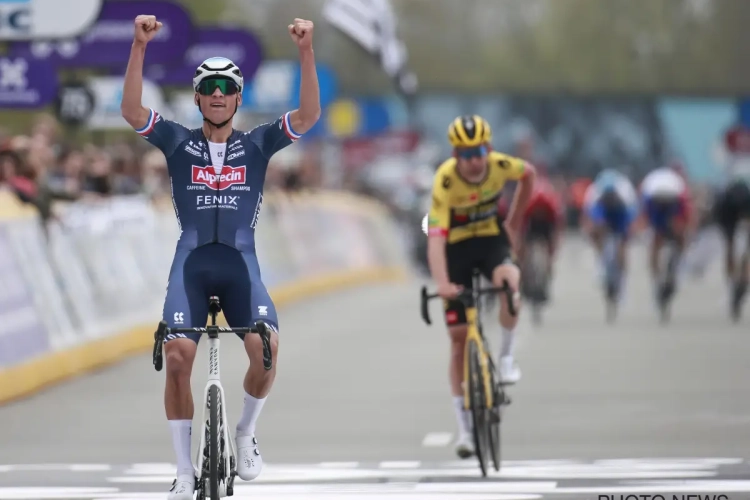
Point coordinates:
[(26, 83), (239, 45), (22, 333), (107, 44)]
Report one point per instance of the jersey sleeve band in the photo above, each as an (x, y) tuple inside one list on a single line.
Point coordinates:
[(288, 127), (152, 116)]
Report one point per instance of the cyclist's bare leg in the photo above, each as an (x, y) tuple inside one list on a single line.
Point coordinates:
[(457, 335), (456, 367), (656, 245), (510, 273), (258, 381), (178, 399), (257, 385)]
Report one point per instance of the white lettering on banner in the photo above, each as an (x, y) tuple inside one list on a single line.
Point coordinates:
[(13, 82), (47, 19)]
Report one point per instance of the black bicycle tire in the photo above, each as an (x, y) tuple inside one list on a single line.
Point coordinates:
[(478, 407), (213, 442), (493, 428)]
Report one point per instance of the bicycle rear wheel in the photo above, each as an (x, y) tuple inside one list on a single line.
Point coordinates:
[(478, 407), (214, 425)]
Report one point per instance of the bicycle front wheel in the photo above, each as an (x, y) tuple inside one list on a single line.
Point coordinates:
[(478, 407), (493, 423), (214, 425)]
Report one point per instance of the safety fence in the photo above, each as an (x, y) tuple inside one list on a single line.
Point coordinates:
[(87, 288)]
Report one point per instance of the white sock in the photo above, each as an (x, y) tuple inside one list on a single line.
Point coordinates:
[(181, 430), (464, 426), (250, 413), (508, 342)]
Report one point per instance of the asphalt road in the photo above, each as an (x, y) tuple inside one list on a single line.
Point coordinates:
[(361, 405)]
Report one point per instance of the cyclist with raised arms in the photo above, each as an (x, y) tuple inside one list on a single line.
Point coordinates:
[(217, 175)]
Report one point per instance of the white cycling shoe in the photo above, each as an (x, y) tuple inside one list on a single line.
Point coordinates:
[(183, 488), (249, 461), (509, 371), (465, 446)]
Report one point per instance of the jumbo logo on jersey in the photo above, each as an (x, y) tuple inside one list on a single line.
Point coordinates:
[(230, 176)]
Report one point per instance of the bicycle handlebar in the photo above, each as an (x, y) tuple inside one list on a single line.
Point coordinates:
[(163, 330), (468, 297)]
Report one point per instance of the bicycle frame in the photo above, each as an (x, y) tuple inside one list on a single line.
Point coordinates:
[(473, 335), (214, 379)]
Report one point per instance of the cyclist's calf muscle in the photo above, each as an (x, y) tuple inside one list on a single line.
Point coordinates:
[(456, 366), (178, 397), (511, 274)]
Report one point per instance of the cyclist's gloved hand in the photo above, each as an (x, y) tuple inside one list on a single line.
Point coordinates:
[(449, 290)]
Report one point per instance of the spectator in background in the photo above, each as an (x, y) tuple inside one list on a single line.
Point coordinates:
[(98, 179)]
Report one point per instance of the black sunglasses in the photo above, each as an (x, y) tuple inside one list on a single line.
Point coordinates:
[(208, 87)]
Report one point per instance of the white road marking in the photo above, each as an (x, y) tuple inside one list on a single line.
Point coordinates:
[(403, 464), (52, 493), (437, 439), (339, 465)]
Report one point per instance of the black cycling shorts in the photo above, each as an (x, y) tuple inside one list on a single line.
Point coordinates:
[(731, 207), (481, 253), (540, 227)]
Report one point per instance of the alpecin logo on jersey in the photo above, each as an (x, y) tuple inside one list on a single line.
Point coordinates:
[(230, 176)]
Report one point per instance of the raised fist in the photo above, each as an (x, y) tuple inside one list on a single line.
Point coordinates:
[(146, 28), (302, 32)]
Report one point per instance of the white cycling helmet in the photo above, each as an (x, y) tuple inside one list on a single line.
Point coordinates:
[(218, 66)]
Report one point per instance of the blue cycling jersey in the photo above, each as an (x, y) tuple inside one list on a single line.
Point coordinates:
[(216, 207)]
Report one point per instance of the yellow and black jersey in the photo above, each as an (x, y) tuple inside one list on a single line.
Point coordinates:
[(462, 210)]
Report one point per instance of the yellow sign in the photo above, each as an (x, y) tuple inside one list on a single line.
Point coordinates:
[(344, 118)]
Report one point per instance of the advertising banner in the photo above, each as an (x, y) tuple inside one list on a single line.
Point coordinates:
[(26, 83), (239, 45), (44, 19), (107, 91), (107, 44), (22, 333)]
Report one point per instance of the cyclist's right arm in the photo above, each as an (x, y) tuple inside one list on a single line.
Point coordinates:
[(164, 134), (438, 228)]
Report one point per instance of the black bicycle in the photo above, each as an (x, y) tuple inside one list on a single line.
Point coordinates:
[(216, 461), (482, 394)]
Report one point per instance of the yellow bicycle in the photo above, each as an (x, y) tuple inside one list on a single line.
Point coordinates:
[(483, 396)]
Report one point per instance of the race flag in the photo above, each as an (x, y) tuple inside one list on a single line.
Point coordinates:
[(372, 25)]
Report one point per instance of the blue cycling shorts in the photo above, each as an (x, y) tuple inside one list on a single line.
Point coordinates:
[(618, 221), (660, 215), (222, 271)]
